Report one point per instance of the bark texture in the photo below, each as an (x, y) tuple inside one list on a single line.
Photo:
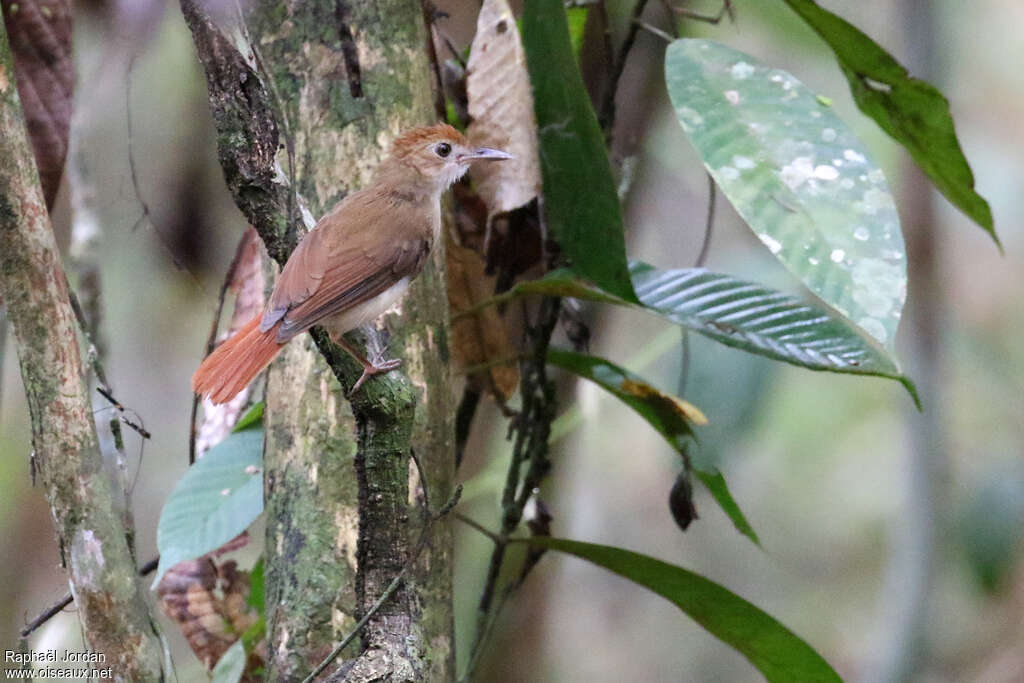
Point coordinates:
[(306, 98), (67, 460)]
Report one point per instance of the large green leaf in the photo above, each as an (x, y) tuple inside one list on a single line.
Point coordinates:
[(797, 175), (774, 650), (580, 201), (669, 415), (913, 112), (741, 314), (754, 318), (217, 499)]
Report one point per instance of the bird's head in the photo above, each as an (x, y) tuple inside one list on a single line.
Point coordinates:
[(438, 154)]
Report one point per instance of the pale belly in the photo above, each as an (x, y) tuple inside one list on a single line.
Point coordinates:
[(367, 311)]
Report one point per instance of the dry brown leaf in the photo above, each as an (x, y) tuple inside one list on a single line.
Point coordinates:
[(40, 35), (501, 105), (479, 338), (209, 602)]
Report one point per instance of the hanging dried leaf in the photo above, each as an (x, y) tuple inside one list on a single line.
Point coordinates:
[(482, 337), (501, 105), (210, 603), (40, 35)]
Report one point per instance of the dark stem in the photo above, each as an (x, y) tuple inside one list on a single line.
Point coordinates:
[(55, 609), (607, 114), (532, 427), (211, 339)]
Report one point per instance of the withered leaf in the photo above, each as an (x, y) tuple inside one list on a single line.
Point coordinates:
[(209, 602), (40, 36), (501, 105), (481, 337)]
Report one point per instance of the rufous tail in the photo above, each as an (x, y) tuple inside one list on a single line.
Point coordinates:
[(236, 362)]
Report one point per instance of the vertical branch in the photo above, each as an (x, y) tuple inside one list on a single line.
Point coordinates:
[(93, 539), (320, 517)]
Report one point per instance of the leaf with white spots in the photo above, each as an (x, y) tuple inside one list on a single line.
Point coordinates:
[(217, 499), (798, 176), (913, 112)]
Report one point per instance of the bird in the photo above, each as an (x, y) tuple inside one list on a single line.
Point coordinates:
[(357, 261)]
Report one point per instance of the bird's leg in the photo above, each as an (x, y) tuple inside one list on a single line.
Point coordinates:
[(369, 368)]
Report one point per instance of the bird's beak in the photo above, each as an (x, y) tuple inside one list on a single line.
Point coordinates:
[(486, 153)]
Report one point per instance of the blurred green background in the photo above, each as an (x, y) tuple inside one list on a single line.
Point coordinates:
[(890, 539)]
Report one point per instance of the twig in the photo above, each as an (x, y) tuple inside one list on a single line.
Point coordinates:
[(726, 9), (211, 338), (131, 145), (709, 225), (532, 428), (470, 522), (395, 583), (654, 31), (146, 216), (607, 117), (57, 607), (702, 257)]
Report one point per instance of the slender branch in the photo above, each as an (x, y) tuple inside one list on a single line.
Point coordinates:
[(211, 338), (726, 9), (470, 522), (57, 607), (702, 257), (654, 31), (532, 428), (607, 114), (396, 582)]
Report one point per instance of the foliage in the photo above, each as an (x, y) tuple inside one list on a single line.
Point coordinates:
[(217, 499), (573, 155), (910, 110), (798, 176), (776, 652)]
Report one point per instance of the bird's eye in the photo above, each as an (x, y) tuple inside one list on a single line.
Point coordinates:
[(443, 149)]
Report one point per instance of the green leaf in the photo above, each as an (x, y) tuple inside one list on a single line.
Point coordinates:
[(737, 313), (257, 593), (913, 112), (217, 499), (580, 201), (231, 665), (577, 17), (774, 650), (669, 415), (253, 417), (798, 176), (560, 282), (714, 482)]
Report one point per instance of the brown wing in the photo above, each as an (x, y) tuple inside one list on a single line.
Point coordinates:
[(364, 247)]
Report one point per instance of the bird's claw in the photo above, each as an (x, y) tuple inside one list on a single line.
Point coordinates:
[(371, 369)]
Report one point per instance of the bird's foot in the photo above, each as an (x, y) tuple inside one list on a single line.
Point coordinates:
[(370, 369)]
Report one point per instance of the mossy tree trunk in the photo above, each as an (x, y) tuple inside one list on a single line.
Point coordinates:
[(318, 89), (88, 511)]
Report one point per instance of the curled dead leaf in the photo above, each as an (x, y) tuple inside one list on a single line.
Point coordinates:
[(209, 602), (481, 337), (501, 106)]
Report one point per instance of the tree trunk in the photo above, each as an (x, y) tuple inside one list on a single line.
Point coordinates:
[(93, 539), (319, 89)]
